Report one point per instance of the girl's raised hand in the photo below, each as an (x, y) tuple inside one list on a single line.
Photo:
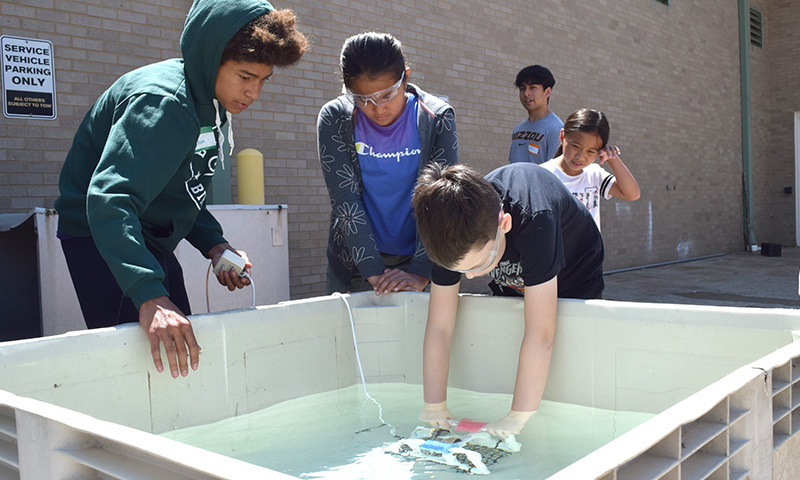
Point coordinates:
[(609, 152)]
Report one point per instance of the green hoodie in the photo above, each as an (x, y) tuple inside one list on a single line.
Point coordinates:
[(142, 159)]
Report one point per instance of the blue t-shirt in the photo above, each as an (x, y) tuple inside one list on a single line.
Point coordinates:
[(389, 160)]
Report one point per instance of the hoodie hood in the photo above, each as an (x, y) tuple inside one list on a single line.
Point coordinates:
[(209, 27)]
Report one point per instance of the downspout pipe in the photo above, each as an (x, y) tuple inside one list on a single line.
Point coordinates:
[(747, 147)]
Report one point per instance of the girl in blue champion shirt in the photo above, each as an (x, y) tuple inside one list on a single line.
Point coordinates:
[(373, 142)]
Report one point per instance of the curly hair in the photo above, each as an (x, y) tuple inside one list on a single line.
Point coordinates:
[(271, 39)]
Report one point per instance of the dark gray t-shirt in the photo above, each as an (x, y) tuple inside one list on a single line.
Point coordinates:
[(551, 234)]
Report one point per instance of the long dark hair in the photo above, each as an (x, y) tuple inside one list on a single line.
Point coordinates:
[(589, 121), (372, 54)]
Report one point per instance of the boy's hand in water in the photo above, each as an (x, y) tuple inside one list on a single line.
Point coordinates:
[(437, 415), (509, 425), (608, 153)]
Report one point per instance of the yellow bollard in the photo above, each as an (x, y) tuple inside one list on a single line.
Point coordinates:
[(250, 176)]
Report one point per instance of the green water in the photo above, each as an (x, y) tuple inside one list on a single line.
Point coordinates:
[(338, 434)]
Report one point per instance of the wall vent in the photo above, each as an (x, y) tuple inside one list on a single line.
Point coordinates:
[(756, 28)]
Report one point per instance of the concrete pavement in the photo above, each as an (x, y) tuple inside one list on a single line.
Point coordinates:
[(744, 279)]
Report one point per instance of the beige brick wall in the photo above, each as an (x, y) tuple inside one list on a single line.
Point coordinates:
[(776, 97), (667, 77), (92, 46)]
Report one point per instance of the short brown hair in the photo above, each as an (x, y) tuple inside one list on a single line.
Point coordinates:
[(270, 39), (456, 211)]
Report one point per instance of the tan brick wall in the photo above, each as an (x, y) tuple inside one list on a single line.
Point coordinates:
[(776, 96), (667, 77), (92, 46)]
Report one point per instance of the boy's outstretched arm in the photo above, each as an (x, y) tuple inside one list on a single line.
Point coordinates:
[(534, 357), (625, 187), (442, 310)]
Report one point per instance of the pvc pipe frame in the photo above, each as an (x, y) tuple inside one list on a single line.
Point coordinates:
[(747, 147)]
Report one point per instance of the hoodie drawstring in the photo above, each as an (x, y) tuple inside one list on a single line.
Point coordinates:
[(218, 124)]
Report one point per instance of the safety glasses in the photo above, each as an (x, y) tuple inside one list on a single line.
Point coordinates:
[(378, 98), (492, 253)]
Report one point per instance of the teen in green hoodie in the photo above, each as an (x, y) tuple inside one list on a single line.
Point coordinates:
[(135, 181)]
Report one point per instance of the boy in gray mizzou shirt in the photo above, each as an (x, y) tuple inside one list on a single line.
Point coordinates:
[(535, 140)]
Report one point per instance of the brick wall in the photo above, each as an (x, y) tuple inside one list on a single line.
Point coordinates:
[(667, 77), (92, 45), (776, 97)]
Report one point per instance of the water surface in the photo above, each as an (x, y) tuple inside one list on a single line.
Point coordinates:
[(339, 435)]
